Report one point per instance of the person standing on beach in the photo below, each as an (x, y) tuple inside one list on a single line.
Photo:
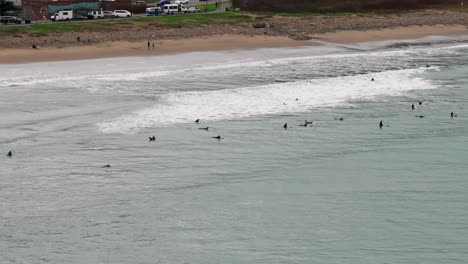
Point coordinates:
[(78, 39), (149, 45), (153, 45)]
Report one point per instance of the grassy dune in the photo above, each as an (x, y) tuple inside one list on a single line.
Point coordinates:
[(161, 21)]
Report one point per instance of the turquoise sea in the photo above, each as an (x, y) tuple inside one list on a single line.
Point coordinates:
[(339, 191)]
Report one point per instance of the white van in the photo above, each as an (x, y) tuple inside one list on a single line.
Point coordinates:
[(62, 15), (171, 9)]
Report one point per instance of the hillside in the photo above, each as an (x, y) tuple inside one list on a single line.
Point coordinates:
[(329, 6)]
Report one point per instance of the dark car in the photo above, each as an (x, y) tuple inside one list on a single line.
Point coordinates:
[(163, 2), (79, 17), (9, 19)]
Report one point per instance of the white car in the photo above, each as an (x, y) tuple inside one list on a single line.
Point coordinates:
[(95, 14), (122, 13), (181, 2), (193, 9)]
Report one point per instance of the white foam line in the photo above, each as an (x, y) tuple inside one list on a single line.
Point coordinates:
[(184, 107)]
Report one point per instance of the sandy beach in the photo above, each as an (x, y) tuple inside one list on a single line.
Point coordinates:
[(410, 32), (278, 32), (162, 47)]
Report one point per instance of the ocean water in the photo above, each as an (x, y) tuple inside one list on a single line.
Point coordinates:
[(336, 192)]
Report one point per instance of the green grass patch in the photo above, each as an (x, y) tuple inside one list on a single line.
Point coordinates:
[(59, 27), (207, 7), (196, 19), (14, 29)]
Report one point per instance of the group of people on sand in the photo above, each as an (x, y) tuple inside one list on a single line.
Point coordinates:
[(149, 45)]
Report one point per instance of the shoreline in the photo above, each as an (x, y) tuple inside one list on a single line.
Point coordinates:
[(219, 43), (140, 49)]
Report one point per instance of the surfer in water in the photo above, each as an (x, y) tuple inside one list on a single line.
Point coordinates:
[(218, 137), (107, 166), (381, 124), (424, 102), (9, 154), (452, 115), (153, 138), (285, 126), (204, 128), (413, 107), (197, 121)]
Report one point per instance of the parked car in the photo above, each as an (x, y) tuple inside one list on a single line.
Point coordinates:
[(108, 14), (95, 14), (163, 2), (79, 17), (153, 11), (193, 9), (172, 9), (122, 13), (9, 19), (181, 2)]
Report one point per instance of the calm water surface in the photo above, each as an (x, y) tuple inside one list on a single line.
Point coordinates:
[(336, 192)]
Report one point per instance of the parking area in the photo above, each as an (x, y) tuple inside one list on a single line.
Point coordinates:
[(192, 3)]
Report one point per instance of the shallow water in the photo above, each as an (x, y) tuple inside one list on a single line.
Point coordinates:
[(336, 192)]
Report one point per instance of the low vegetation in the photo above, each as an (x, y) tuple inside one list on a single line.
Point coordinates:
[(207, 7)]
